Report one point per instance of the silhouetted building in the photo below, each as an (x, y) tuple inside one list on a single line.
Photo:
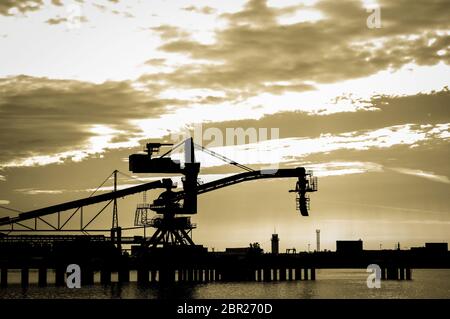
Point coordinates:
[(436, 247), (349, 246), (275, 244), (237, 251), (253, 248)]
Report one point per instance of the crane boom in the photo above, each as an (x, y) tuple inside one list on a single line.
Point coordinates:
[(86, 201), (306, 183), (243, 177)]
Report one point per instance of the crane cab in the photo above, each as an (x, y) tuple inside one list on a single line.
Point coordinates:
[(144, 163)]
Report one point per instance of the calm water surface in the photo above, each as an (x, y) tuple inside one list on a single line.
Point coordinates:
[(330, 283)]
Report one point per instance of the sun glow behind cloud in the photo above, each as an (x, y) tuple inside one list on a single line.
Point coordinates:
[(419, 173), (95, 145), (278, 151)]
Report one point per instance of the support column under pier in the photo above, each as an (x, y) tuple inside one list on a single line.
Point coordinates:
[(4, 277), (42, 277)]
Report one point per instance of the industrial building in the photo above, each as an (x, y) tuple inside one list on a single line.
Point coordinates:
[(349, 246)]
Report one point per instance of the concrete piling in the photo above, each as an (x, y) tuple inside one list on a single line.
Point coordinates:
[(4, 277), (24, 277), (42, 277)]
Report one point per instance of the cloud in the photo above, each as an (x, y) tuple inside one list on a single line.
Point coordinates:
[(57, 3), (378, 111), (254, 48), (40, 117), (22, 6), (342, 168), (296, 149), (70, 21), (202, 10), (2, 178), (419, 173), (57, 20), (12, 7), (167, 32), (32, 191), (155, 62)]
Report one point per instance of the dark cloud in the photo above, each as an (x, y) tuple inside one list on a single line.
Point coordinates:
[(255, 49), (22, 6), (381, 111), (39, 116), (203, 10), (100, 7), (155, 62), (57, 3), (57, 20), (167, 32)]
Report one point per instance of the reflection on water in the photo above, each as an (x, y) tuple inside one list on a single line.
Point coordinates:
[(330, 283)]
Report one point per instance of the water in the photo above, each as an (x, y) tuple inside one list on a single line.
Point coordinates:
[(330, 283)]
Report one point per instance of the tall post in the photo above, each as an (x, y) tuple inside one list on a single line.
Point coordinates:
[(318, 240), (115, 220), (115, 230)]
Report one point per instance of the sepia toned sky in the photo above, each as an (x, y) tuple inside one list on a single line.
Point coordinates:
[(84, 84)]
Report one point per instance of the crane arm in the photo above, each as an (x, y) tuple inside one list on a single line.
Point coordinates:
[(306, 183), (86, 201), (243, 177)]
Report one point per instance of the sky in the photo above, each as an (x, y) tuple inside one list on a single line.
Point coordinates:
[(357, 91)]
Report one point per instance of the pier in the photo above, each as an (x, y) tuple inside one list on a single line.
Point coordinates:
[(98, 255)]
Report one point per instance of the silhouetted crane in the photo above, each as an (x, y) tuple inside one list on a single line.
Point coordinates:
[(171, 228), (174, 229)]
